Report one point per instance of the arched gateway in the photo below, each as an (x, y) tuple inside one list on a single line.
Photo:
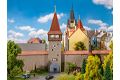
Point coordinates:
[(54, 68)]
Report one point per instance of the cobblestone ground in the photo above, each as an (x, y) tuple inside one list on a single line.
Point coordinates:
[(42, 77)]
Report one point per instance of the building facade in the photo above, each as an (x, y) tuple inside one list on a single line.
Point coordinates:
[(74, 33)]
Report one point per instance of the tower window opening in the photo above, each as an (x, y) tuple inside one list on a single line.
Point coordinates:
[(52, 49)]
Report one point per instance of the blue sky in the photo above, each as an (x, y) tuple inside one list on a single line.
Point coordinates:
[(32, 18)]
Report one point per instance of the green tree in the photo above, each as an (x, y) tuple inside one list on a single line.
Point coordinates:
[(83, 66), (108, 73), (80, 46), (109, 58), (95, 48), (79, 76), (43, 41), (108, 64), (14, 66), (92, 68), (70, 66)]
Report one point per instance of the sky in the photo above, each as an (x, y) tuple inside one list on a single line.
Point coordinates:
[(32, 18)]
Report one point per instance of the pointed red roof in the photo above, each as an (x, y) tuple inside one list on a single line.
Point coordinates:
[(55, 28), (79, 25)]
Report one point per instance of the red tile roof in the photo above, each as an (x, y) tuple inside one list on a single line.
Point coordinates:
[(28, 53), (55, 28), (75, 31), (35, 40), (79, 25), (86, 52)]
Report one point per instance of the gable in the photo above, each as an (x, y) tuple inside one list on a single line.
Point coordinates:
[(78, 32), (77, 36)]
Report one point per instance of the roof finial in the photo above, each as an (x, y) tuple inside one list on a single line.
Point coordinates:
[(95, 31), (55, 8), (79, 17)]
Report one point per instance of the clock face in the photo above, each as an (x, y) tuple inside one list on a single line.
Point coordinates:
[(54, 36)]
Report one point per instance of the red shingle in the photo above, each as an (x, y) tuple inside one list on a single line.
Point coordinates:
[(27, 53), (86, 52), (79, 25), (55, 28)]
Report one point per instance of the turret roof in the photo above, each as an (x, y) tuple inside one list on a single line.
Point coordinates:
[(55, 28)]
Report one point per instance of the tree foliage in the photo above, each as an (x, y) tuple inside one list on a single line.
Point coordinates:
[(92, 68), (70, 66), (80, 46), (109, 58), (79, 76), (107, 72), (65, 77), (14, 66), (95, 47), (43, 41), (108, 64), (83, 66)]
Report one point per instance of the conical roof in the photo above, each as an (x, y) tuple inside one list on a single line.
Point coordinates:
[(79, 25), (72, 14), (55, 28)]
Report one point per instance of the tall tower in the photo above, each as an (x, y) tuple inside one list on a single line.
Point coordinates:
[(71, 21), (54, 38)]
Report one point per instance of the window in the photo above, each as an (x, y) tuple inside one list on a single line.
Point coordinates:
[(56, 36), (54, 46), (52, 49), (54, 59), (52, 36)]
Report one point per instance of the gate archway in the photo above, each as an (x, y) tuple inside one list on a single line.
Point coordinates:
[(54, 68)]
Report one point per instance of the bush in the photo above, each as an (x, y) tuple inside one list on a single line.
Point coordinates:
[(40, 70), (70, 67), (83, 66), (65, 77), (80, 46), (79, 76)]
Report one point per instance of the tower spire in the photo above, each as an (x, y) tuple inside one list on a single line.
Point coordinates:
[(54, 8), (95, 32), (79, 17), (72, 14)]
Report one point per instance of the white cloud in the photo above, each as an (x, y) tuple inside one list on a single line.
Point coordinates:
[(15, 36), (107, 3), (46, 18), (110, 28), (103, 26), (38, 33), (26, 28), (87, 28), (63, 26), (97, 22), (11, 20), (17, 40)]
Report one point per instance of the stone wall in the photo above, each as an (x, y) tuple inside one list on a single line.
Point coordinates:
[(30, 61), (77, 59)]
